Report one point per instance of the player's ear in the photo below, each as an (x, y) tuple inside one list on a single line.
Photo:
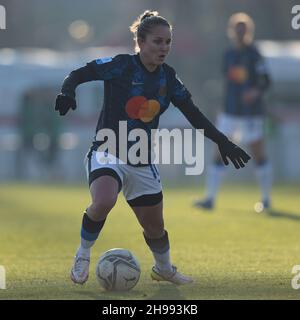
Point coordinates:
[(140, 42)]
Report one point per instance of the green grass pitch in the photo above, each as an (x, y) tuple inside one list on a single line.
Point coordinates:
[(232, 252)]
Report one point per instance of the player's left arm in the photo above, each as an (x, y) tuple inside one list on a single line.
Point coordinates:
[(227, 148), (181, 98)]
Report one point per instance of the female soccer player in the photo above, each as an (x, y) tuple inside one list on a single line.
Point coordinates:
[(137, 89), (246, 80)]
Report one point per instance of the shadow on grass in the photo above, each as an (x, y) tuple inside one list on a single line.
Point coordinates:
[(156, 292), (166, 291), (270, 213), (281, 214), (243, 287)]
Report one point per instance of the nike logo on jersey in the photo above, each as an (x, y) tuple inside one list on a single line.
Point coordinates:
[(136, 83)]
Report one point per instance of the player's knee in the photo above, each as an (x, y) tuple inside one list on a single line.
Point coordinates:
[(102, 206)]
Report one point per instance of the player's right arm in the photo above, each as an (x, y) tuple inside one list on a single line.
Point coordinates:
[(100, 69)]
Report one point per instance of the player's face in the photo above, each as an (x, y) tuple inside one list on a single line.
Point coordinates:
[(156, 46), (240, 32)]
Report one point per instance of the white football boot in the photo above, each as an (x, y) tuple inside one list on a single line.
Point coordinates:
[(80, 269), (171, 276)]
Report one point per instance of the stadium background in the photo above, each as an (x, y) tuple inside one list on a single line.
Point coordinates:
[(40, 151)]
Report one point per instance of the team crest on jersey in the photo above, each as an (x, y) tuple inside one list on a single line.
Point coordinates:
[(103, 60), (138, 107)]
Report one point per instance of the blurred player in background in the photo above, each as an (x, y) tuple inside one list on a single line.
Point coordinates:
[(246, 80), (137, 89)]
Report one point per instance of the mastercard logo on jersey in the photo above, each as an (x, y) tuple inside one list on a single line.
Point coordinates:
[(139, 107), (238, 74)]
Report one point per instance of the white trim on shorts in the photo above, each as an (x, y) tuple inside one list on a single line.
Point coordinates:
[(136, 181)]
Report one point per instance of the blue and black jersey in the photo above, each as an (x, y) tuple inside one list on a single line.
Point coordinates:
[(244, 69), (134, 94), (137, 96)]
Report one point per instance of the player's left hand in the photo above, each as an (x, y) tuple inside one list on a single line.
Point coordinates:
[(235, 154)]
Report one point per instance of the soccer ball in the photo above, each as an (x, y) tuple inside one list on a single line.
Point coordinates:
[(118, 270)]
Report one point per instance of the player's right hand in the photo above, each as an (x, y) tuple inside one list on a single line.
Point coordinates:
[(64, 103)]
